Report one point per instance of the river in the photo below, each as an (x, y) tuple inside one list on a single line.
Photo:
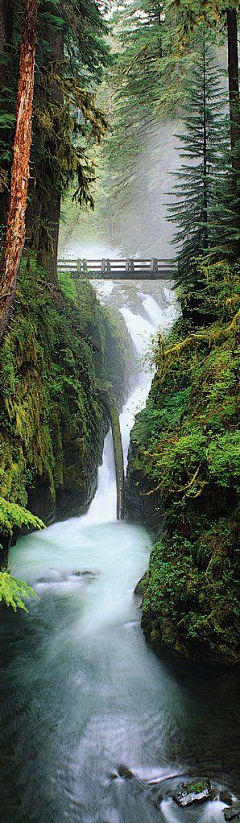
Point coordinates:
[(84, 698)]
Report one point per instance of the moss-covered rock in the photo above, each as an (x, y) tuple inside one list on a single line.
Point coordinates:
[(60, 348), (185, 458)]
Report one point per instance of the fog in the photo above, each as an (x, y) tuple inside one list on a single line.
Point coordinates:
[(131, 221)]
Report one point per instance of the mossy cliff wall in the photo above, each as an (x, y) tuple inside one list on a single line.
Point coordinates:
[(61, 347), (184, 461)]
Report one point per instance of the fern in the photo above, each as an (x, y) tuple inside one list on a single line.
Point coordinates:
[(12, 591), (12, 515)]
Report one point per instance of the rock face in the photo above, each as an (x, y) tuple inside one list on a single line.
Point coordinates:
[(137, 503), (195, 792), (62, 352), (233, 812), (141, 586)]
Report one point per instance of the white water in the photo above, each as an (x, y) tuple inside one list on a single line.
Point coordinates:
[(83, 691)]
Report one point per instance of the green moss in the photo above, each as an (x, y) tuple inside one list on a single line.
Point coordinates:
[(59, 350), (186, 453)]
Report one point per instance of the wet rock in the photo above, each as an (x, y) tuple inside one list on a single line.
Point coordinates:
[(141, 586), (233, 812), (138, 505), (113, 775), (225, 797), (123, 771), (86, 574), (195, 792)]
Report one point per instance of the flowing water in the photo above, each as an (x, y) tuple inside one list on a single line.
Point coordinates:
[(85, 700)]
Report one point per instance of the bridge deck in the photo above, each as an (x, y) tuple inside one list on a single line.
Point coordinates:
[(123, 269)]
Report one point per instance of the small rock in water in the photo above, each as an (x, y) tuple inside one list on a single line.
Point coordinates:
[(86, 574), (233, 812), (195, 792), (123, 771)]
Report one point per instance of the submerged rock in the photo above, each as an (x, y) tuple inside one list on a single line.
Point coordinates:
[(123, 771), (86, 574), (233, 812), (195, 792)]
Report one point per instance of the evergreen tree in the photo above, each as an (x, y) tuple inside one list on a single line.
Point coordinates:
[(146, 86), (215, 15), (71, 54), (204, 141)]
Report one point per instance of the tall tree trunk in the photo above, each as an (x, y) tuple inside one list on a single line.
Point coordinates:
[(6, 34), (15, 233), (233, 77), (50, 216), (205, 186), (49, 196)]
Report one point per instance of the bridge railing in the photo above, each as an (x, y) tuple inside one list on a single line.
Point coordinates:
[(124, 268)]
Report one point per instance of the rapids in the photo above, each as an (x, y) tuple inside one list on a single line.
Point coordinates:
[(84, 698)]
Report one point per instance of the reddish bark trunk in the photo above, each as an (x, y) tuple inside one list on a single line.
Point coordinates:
[(15, 232)]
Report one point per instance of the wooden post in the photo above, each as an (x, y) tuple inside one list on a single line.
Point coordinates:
[(79, 267), (103, 266), (84, 268)]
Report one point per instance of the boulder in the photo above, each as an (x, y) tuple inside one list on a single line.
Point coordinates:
[(195, 792), (123, 771), (226, 797), (233, 812)]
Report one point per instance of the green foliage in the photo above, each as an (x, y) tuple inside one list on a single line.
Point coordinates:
[(203, 139), (72, 51), (186, 452), (224, 460), (59, 352), (68, 286), (146, 88), (14, 516), (14, 592), (191, 602), (191, 14)]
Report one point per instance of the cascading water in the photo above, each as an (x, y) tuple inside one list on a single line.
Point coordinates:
[(97, 728)]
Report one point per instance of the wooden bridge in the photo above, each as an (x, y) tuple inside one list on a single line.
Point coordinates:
[(124, 269)]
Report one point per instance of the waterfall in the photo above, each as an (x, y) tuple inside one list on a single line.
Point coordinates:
[(141, 330), (85, 700)]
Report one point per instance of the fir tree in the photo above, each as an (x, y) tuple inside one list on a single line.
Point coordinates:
[(71, 54), (204, 141), (146, 85)]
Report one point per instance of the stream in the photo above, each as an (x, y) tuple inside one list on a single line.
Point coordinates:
[(85, 700)]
